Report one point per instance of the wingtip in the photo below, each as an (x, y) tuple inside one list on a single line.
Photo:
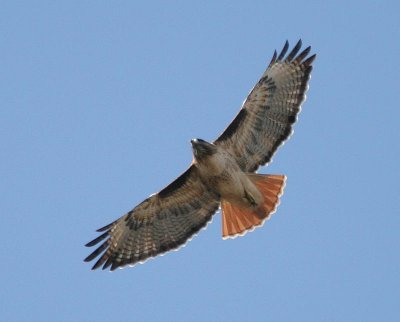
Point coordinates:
[(284, 50), (87, 259), (310, 60), (97, 239), (294, 51), (273, 59), (105, 227)]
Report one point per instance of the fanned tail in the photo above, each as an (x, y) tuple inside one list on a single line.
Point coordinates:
[(237, 221)]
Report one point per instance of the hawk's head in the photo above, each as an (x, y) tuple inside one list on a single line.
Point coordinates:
[(202, 149)]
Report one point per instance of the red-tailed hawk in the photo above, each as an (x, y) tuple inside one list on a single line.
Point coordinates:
[(222, 174)]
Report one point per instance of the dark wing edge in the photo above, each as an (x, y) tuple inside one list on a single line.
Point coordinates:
[(195, 209), (234, 133)]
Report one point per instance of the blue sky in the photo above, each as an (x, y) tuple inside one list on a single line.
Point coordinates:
[(98, 103)]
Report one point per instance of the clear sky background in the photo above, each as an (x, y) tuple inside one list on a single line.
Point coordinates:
[(99, 100)]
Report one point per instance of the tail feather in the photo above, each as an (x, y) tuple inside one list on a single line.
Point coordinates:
[(237, 221)]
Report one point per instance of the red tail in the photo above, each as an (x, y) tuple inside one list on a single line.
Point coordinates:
[(237, 221)]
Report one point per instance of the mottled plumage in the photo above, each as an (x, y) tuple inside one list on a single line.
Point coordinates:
[(221, 174), (269, 111)]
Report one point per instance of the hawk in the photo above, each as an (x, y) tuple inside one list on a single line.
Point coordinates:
[(221, 175)]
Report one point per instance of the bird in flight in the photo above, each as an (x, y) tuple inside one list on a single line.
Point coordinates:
[(221, 175)]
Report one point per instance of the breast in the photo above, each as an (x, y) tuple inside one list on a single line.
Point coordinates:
[(222, 174)]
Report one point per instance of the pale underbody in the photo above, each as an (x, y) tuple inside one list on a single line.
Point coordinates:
[(221, 173)]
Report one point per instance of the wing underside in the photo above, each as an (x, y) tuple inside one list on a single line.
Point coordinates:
[(163, 222), (266, 118)]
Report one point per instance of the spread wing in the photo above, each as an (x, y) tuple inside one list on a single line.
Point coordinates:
[(266, 118), (162, 222)]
